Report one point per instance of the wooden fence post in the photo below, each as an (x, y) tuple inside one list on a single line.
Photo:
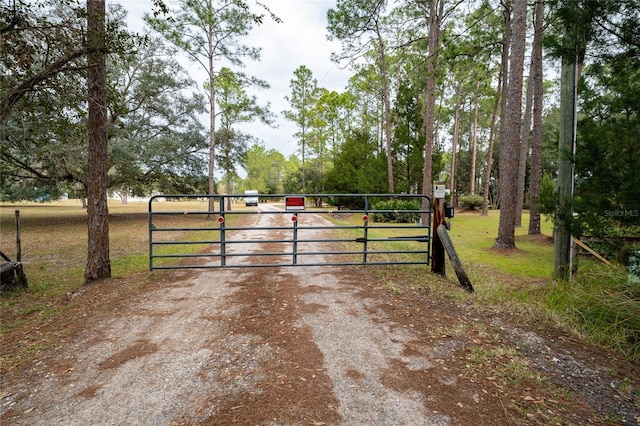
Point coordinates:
[(12, 274), (18, 241), (437, 250)]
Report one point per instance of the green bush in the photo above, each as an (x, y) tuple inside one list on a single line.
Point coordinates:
[(396, 213), (349, 203), (470, 202)]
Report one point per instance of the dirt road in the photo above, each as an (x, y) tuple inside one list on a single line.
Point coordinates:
[(308, 346)]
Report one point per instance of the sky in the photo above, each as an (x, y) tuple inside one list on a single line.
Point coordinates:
[(299, 40)]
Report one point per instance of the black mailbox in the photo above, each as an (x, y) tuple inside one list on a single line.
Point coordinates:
[(448, 211)]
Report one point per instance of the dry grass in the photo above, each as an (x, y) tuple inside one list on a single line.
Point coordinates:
[(54, 249)]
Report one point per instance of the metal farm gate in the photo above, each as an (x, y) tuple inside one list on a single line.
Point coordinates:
[(215, 231)]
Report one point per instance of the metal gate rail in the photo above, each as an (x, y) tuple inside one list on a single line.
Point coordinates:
[(220, 233)]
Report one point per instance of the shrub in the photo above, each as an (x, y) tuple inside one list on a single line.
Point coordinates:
[(349, 203), (470, 202), (396, 213)]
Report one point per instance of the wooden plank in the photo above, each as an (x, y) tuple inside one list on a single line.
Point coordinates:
[(593, 252), (464, 280)]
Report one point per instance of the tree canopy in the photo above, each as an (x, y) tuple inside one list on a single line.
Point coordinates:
[(149, 114), (433, 96)]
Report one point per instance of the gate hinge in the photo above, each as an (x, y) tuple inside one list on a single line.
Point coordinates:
[(361, 240)]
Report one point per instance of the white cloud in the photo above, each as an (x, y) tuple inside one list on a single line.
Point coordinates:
[(299, 40)]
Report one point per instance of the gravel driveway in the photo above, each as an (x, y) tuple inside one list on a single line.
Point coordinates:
[(270, 346)]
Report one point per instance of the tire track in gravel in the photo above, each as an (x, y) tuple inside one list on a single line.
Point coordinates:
[(358, 347), (273, 346), (332, 354)]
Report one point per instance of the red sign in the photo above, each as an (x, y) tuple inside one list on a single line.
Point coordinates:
[(294, 203)]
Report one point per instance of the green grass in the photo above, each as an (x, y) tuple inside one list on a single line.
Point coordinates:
[(599, 304), (474, 235)]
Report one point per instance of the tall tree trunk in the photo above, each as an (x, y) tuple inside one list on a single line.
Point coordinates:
[(500, 101), (454, 145), (509, 146), (492, 136), (228, 191), (98, 262), (212, 134), (228, 175), (524, 149), (436, 11), (504, 96), (536, 138), (387, 112), (438, 121), (474, 143), (227, 161), (319, 201), (304, 175)]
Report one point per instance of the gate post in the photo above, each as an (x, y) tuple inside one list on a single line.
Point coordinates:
[(223, 237), (295, 238), (437, 249)]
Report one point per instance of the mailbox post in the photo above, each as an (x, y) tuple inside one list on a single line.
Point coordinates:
[(437, 249)]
